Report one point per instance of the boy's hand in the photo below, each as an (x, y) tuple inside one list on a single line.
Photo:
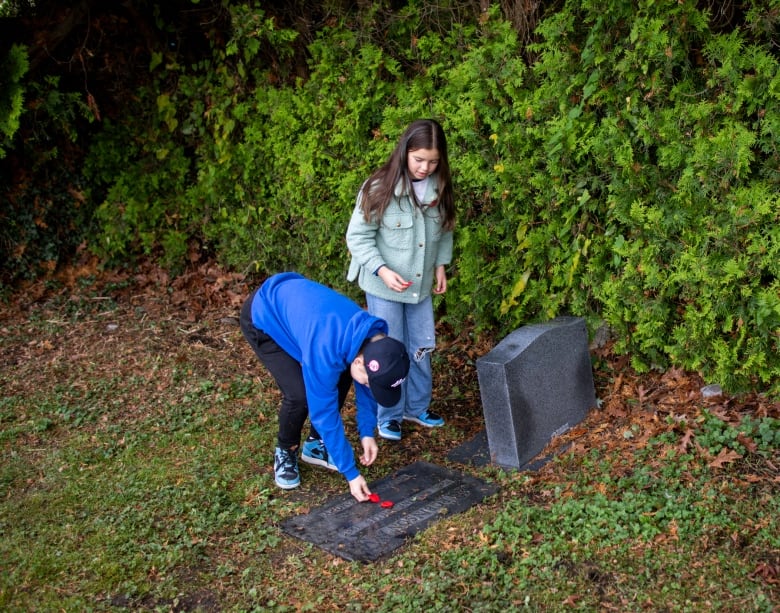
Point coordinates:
[(370, 450), (359, 489)]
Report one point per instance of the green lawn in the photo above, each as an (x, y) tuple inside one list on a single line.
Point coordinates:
[(136, 443)]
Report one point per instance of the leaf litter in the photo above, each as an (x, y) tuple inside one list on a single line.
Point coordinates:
[(79, 319)]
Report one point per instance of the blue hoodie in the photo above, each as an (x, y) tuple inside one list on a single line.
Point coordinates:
[(324, 331)]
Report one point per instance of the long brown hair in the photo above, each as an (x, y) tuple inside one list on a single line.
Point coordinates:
[(379, 190)]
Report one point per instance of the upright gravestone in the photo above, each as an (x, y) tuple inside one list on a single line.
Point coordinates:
[(536, 384)]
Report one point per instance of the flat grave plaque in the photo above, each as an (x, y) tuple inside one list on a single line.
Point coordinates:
[(421, 493)]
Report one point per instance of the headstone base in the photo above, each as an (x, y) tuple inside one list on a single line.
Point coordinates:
[(476, 452)]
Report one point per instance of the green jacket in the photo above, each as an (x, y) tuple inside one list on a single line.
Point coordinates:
[(409, 240)]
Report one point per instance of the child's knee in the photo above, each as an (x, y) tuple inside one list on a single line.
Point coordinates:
[(422, 353)]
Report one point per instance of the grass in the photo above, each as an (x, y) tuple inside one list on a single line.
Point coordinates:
[(136, 445)]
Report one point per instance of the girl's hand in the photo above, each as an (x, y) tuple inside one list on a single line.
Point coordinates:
[(441, 280), (393, 280)]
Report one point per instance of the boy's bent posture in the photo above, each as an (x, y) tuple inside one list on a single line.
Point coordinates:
[(316, 343)]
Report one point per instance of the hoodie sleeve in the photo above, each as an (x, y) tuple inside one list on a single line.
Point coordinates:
[(323, 399), (365, 414)]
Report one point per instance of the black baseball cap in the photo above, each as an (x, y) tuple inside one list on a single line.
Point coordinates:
[(387, 365)]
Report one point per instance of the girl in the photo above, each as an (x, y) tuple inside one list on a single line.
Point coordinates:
[(400, 240)]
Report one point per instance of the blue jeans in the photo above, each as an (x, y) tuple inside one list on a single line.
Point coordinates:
[(413, 325)]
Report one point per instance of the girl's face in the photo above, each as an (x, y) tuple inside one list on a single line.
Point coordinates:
[(422, 162)]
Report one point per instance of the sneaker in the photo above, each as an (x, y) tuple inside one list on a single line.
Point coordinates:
[(426, 418), (286, 468), (314, 452), (391, 430)]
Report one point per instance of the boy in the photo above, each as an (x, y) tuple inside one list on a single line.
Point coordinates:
[(316, 343)]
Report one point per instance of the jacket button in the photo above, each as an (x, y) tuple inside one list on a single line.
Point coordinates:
[(421, 245)]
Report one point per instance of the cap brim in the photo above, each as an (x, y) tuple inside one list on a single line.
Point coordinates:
[(386, 396)]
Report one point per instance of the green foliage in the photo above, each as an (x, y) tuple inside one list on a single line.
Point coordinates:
[(301, 152), (12, 70), (654, 203), (44, 204), (583, 538), (761, 435), (682, 275), (144, 210), (629, 175)]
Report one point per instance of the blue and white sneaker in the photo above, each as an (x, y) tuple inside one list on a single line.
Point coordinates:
[(391, 430), (314, 452), (427, 418), (286, 472)]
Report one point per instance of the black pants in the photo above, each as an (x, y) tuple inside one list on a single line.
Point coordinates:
[(288, 375)]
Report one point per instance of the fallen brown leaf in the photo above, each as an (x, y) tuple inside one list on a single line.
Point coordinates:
[(725, 456)]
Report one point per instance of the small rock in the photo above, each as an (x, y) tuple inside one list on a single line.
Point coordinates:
[(711, 391)]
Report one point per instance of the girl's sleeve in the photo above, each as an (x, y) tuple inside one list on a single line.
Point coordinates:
[(444, 254), (361, 240)]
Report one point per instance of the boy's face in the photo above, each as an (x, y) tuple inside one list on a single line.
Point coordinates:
[(422, 162), (358, 370)]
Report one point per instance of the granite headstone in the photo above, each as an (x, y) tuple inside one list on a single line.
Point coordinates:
[(536, 384)]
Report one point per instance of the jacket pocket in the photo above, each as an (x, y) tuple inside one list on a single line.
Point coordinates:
[(397, 231)]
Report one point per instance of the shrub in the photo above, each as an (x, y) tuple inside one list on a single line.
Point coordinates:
[(44, 204), (629, 175)]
